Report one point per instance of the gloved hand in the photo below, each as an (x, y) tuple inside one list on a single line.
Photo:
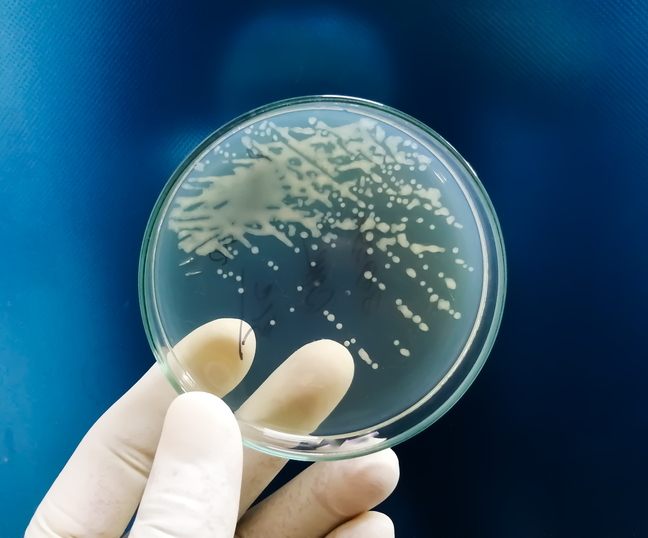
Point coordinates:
[(179, 461)]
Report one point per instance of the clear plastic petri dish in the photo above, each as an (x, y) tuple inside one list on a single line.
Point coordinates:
[(332, 218)]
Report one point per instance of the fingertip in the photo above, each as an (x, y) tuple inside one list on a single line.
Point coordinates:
[(380, 523), (380, 472), (204, 404), (390, 467), (303, 390), (332, 352), (217, 354), (373, 479), (339, 359), (203, 418), (369, 524), (200, 399), (330, 363)]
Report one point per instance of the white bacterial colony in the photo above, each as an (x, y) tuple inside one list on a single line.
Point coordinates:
[(313, 186)]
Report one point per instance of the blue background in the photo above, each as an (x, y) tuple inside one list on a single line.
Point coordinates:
[(99, 101)]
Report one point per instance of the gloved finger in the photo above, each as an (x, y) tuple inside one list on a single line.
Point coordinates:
[(99, 489), (323, 497), (295, 398), (367, 525), (195, 481)]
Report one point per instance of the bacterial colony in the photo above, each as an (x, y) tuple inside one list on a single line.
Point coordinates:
[(309, 184)]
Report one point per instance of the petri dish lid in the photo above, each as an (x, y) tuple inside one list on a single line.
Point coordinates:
[(335, 218)]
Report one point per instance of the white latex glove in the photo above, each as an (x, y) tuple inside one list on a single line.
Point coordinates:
[(179, 461)]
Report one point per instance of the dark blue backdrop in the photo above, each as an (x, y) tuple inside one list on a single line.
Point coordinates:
[(99, 101)]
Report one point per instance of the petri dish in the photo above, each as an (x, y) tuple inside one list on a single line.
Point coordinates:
[(337, 218)]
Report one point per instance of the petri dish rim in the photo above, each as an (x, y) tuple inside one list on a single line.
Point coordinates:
[(160, 345)]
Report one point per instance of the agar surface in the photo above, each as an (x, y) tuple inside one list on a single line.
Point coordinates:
[(314, 186)]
